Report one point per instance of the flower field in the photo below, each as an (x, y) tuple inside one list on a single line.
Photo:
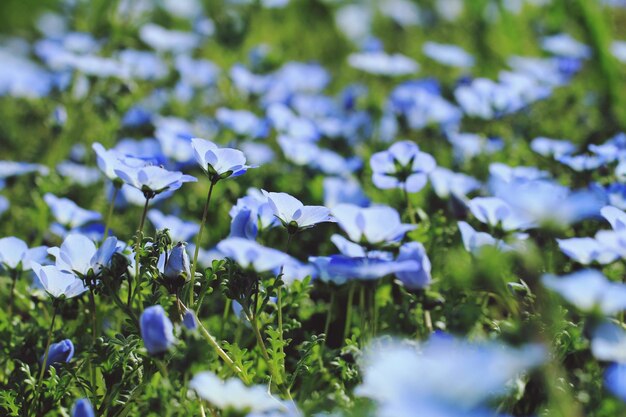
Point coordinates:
[(290, 208)]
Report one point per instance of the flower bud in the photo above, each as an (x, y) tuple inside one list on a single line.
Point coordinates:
[(157, 330), (62, 351), (189, 320), (177, 265), (83, 408)]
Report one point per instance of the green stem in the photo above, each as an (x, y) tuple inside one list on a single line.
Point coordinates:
[(14, 277), (280, 303), (409, 206), (107, 223), (94, 338), (198, 241), (225, 315), (138, 247), (45, 359), (218, 349), (346, 329)]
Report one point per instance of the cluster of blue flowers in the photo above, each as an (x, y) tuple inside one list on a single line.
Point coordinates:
[(360, 178)]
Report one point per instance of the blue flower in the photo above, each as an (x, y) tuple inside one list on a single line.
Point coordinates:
[(83, 408), (588, 290), (166, 40), (78, 173), (58, 283), (179, 229), (442, 374), (153, 180), (446, 183), (381, 63), (10, 169), (497, 213), (378, 225), (552, 147), (61, 352), (473, 241), (615, 380), (338, 190), (249, 254), (414, 278), (445, 54), (545, 201), (177, 264), (218, 163), (242, 122), (157, 330), (251, 215), (78, 254), (608, 342), (615, 216), (564, 45), (190, 321), (402, 166), (586, 250), (339, 269), (69, 214), (15, 254), (294, 215)]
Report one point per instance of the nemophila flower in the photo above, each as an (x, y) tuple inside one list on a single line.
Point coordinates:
[(497, 213), (614, 194), (68, 214), (157, 331), (294, 270), (338, 190), (615, 217), (176, 264), (10, 169), (473, 240), (83, 408), (196, 73), (339, 269), (250, 254), (615, 377), (402, 166), (179, 229), (252, 214), (485, 99), (612, 241), (469, 145), (581, 163), (419, 103), (190, 321), (258, 153), (445, 54), (586, 250), (418, 278), (563, 44), (15, 254), (608, 342), (141, 65), (152, 180), (232, 394), (167, 40), (294, 215), (588, 290), (110, 160), (218, 163), (78, 254), (545, 201), (78, 173), (505, 174), (58, 283), (381, 63), (446, 183), (443, 373), (242, 122), (552, 147), (174, 137), (61, 352), (377, 225)]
